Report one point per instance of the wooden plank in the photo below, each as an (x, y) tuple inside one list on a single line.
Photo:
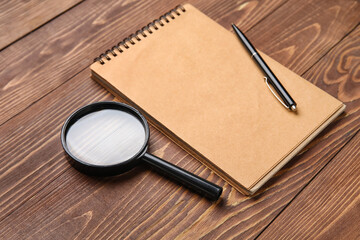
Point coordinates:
[(18, 18), (299, 33), (37, 181), (329, 207), (340, 76), (60, 49)]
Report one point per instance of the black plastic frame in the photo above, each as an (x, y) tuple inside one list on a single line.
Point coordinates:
[(190, 180)]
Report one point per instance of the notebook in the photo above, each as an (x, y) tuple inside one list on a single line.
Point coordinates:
[(195, 82)]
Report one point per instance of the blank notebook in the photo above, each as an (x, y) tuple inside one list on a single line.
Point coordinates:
[(196, 83)]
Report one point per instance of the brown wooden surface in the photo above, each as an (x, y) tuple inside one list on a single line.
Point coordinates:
[(18, 18), (333, 195), (44, 76), (337, 208)]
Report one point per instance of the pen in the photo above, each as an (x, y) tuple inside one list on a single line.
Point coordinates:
[(288, 102)]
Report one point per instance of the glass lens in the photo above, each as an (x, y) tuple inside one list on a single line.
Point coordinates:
[(106, 137)]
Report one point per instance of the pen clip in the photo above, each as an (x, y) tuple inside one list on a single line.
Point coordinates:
[(267, 83)]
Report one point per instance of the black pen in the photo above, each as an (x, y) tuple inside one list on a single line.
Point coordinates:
[(288, 102)]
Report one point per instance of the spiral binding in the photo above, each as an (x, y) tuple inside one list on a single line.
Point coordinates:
[(131, 40)]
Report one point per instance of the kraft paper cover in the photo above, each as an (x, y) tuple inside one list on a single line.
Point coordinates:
[(197, 80)]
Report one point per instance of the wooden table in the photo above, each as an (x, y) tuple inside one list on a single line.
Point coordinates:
[(46, 49)]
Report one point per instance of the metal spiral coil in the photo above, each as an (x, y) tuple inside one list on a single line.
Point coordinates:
[(144, 31)]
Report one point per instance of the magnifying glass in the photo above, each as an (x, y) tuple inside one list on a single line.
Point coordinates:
[(110, 138)]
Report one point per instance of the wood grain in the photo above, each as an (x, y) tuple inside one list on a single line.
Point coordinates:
[(44, 169), (18, 18), (43, 197), (340, 77), (300, 33), (329, 207), (69, 43), (39, 184)]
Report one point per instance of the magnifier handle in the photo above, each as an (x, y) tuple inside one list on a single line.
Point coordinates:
[(196, 183)]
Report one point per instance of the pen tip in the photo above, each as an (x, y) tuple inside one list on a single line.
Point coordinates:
[(293, 108), (236, 29)]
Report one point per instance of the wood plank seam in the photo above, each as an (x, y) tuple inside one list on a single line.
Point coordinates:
[(333, 209), (41, 25), (331, 48), (306, 185), (37, 100), (267, 15), (34, 193)]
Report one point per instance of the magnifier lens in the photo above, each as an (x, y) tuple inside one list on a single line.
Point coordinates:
[(106, 137)]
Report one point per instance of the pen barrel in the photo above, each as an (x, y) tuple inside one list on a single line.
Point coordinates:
[(279, 88)]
